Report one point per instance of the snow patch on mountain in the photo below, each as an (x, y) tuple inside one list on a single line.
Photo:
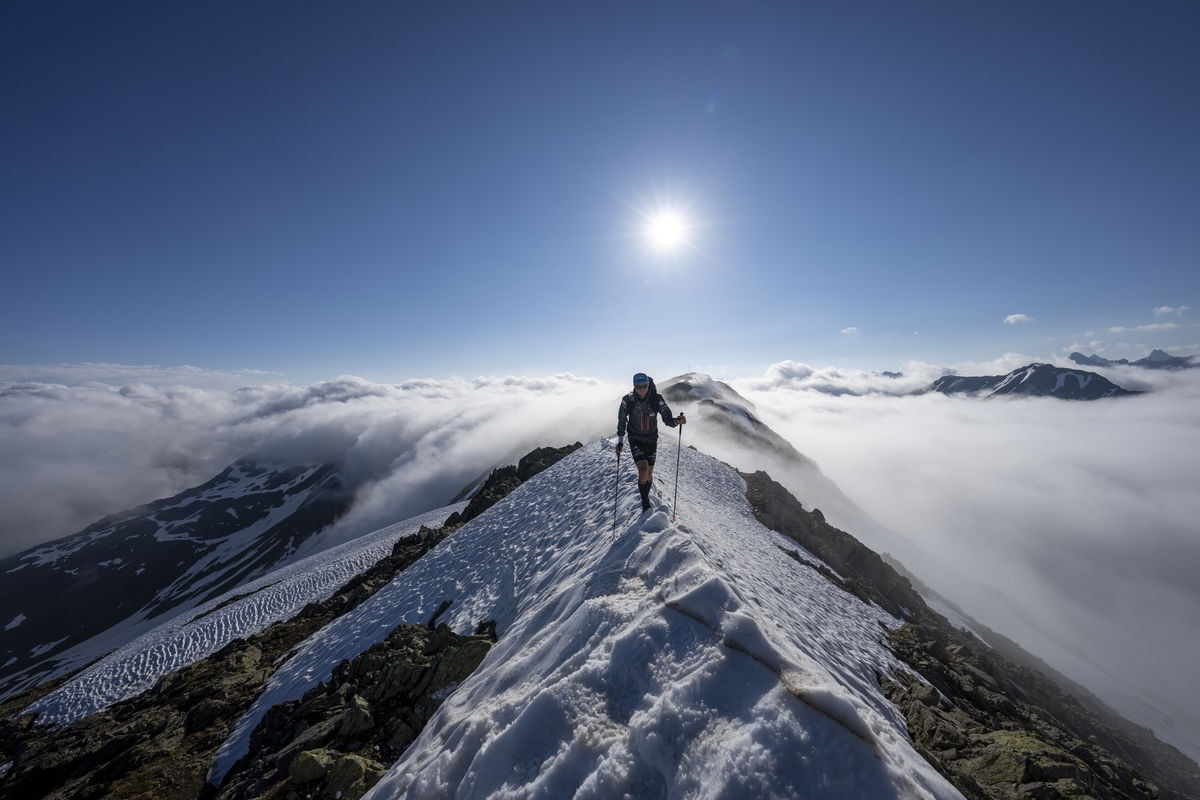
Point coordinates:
[(1082, 378)]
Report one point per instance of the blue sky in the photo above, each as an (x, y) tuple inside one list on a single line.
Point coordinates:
[(397, 190)]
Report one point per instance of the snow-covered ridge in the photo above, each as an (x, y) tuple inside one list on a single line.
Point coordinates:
[(675, 657)]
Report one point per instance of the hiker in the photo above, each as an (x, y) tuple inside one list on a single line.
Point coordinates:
[(638, 409)]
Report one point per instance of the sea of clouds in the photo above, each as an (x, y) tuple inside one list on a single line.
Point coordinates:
[(1072, 527), (73, 450)]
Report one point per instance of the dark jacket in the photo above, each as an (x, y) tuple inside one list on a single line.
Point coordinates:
[(638, 415)]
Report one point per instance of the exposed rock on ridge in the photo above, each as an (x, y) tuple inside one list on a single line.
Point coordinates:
[(340, 737)]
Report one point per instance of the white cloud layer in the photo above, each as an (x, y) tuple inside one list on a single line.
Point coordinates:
[(1069, 526), (1017, 319), (70, 454)]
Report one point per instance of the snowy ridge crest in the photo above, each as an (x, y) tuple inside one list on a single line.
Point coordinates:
[(680, 658)]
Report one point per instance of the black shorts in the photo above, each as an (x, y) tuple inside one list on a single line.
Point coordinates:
[(643, 449)]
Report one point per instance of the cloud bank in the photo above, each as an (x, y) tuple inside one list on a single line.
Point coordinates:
[(1070, 527), (71, 454), (1157, 327), (1067, 526)]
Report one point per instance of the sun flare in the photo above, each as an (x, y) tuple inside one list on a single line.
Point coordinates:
[(667, 231)]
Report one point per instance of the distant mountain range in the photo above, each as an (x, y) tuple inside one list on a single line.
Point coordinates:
[(1036, 380), (1158, 359)]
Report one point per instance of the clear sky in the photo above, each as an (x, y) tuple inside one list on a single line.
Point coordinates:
[(403, 189)]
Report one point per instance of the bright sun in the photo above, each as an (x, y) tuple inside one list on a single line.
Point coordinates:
[(666, 231)]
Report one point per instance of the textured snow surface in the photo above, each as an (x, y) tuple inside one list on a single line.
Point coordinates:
[(204, 630), (685, 659)]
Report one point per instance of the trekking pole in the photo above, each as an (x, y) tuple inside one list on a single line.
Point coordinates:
[(616, 488), (678, 452)]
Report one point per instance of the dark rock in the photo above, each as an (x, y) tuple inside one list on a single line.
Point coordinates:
[(542, 459), (503, 480), (372, 707), (311, 766)]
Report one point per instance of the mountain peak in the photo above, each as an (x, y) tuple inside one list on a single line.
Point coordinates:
[(1037, 379)]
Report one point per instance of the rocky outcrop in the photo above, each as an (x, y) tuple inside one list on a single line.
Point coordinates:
[(504, 480), (338, 739), (972, 715), (542, 459), (996, 728)]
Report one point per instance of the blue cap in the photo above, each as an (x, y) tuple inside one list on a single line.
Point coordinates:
[(640, 378)]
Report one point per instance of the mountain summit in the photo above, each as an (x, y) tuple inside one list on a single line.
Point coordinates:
[(562, 644), (1039, 380)]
